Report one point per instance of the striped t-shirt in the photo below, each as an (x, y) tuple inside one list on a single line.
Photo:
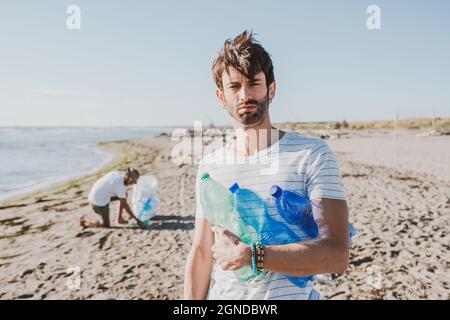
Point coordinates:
[(297, 163)]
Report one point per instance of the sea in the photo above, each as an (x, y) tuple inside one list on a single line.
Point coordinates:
[(33, 158)]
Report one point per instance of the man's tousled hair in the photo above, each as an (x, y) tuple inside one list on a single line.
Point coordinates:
[(246, 55)]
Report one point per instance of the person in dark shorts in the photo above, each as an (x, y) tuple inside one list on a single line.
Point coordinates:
[(111, 187)]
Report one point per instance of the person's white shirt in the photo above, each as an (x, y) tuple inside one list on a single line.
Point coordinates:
[(110, 185)]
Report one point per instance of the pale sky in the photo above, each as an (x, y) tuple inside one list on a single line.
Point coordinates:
[(148, 63)]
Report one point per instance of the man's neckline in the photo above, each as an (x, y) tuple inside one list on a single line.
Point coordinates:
[(259, 153)]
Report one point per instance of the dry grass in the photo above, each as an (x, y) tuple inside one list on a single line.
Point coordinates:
[(442, 124)]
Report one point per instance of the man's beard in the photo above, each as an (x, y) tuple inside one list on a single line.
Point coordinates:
[(252, 118)]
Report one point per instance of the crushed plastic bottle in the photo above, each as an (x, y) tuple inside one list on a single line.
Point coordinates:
[(218, 205), (145, 199), (295, 209), (254, 212)]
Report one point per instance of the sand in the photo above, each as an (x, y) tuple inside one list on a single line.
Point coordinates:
[(399, 203)]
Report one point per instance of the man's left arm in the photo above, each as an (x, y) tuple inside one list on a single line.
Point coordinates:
[(327, 254)]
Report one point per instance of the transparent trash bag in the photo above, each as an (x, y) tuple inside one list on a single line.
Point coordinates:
[(145, 199)]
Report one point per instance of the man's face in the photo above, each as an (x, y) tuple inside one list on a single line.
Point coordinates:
[(131, 179), (246, 100)]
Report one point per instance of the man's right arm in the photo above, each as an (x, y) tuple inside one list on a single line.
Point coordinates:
[(124, 205), (199, 262)]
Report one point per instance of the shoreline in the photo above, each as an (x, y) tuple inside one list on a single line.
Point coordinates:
[(59, 181), (114, 157), (28, 187)]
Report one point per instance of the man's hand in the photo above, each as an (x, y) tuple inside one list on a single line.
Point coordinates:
[(124, 205), (140, 223), (229, 251)]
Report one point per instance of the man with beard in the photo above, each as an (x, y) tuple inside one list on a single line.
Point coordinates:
[(244, 76), (111, 187)]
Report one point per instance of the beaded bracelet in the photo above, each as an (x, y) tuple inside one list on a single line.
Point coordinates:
[(259, 256), (253, 247)]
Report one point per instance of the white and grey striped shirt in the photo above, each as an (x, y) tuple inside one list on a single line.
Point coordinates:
[(302, 164)]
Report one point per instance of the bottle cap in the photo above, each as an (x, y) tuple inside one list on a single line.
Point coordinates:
[(234, 188), (276, 191), (205, 176)]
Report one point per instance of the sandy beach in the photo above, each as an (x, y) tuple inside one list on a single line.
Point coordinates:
[(398, 191)]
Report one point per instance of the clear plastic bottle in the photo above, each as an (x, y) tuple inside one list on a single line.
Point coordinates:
[(218, 205), (324, 278)]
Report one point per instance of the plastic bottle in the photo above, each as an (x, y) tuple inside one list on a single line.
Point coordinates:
[(295, 209), (218, 205), (324, 278), (253, 211)]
